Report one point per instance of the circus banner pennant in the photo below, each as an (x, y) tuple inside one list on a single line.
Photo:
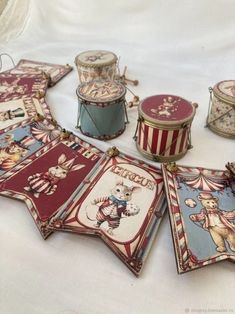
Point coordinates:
[(122, 202), (54, 72), (202, 215), (43, 166)]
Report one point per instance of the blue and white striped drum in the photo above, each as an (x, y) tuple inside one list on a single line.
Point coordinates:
[(102, 110)]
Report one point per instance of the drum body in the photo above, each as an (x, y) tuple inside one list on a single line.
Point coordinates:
[(221, 115), (96, 64), (164, 127), (102, 109)]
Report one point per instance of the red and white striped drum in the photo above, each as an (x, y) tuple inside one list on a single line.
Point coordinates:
[(163, 131)]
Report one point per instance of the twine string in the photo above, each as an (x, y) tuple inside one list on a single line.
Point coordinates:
[(7, 55)]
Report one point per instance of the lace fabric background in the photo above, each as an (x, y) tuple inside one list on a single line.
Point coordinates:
[(13, 18)]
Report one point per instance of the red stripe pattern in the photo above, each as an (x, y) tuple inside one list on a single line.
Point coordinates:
[(162, 142)]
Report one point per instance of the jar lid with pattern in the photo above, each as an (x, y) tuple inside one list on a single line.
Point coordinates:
[(101, 91), (166, 110), (225, 90), (95, 58)]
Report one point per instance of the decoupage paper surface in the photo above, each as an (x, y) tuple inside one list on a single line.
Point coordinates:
[(122, 202), (18, 142), (202, 214), (17, 110), (14, 86), (51, 169), (55, 72)]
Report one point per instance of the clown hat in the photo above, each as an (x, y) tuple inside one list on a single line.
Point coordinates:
[(206, 196)]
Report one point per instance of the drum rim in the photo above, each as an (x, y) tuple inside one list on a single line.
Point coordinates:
[(122, 95), (92, 65), (105, 137), (167, 126), (158, 158), (219, 132), (166, 123), (222, 96)]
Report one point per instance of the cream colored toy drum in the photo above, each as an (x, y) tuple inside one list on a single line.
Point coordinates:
[(96, 64), (221, 113)]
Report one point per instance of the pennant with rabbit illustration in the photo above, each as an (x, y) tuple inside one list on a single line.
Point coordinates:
[(49, 173), (122, 202)]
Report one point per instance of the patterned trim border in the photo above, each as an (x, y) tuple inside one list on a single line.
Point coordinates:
[(18, 125)]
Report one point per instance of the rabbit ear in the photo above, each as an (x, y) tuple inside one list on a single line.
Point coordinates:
[(61, 159), (119, 181), (135, 189), (77, 167)]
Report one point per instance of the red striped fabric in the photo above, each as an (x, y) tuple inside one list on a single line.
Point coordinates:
[(162, 142)]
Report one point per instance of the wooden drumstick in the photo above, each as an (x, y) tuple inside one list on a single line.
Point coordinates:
[(126, 80)]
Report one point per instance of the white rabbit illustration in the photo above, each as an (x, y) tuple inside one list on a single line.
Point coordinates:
[(116, 206), (46, 182)]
